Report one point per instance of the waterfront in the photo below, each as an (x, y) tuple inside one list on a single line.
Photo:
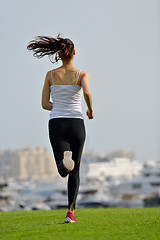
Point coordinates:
[(115, 182)]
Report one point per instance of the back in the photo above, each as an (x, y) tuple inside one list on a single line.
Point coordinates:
[(66, 94), (66, 77)]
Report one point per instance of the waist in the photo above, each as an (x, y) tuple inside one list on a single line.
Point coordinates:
[(65, 113)]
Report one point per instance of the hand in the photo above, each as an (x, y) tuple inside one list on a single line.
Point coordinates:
[(90, 114)]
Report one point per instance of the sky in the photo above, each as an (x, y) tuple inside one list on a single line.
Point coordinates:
[(116, 42)]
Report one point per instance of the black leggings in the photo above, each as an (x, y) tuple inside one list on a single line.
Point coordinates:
[(68, 134)]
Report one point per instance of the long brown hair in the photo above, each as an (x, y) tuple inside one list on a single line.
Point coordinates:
[(56, 48)]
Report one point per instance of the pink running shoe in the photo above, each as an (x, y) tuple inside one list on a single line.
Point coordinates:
[(70, 218)]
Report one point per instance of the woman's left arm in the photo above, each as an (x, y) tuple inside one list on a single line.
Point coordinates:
[(46, 104)]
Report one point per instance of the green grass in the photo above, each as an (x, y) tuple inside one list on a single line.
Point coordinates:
[(108, 224)]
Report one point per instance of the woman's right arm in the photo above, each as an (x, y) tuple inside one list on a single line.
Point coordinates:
[(46, 104), (87, 94)]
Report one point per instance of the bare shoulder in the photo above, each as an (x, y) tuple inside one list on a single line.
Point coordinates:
[(49, 74), (84, 75), (84, 78), (48, 77)]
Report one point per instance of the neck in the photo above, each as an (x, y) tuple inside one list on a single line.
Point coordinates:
[(67, 63)]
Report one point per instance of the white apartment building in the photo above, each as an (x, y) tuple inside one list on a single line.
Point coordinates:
[(114, 170), (26, 164)]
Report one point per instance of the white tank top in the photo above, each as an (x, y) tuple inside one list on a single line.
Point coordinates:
[(66, 100)]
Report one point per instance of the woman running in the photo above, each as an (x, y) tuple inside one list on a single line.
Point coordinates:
[(66, 124)]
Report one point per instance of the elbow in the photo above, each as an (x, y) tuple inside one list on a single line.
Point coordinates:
[(87, 94)]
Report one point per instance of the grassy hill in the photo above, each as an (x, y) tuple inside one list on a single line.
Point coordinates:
[(93, 224)]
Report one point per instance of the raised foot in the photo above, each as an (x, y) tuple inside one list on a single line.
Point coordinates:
[(68, 163)]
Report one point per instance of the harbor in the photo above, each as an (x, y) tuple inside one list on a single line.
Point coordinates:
[(115, 182)]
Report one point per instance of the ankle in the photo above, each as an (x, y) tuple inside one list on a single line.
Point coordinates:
[(71, 211)]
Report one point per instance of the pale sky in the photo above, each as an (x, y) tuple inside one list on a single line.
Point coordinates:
[(117, 42)]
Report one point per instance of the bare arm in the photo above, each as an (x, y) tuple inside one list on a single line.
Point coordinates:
[(87, 94), (46, 104)]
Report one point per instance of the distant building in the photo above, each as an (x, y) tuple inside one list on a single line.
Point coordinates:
[(121, 154), (25, 164), (89, 157), (114, 170)]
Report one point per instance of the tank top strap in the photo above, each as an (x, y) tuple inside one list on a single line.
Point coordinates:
[(78, 77), (52, 74)]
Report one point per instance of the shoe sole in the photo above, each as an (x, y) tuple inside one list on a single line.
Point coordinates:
[(68, 163), (68, 220)]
